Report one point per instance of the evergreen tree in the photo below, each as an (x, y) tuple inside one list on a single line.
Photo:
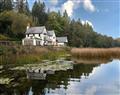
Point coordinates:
[(54, 23), (66, 23), (65, 14), (22, 6), (59, 14), (1, 5), (6, 5), (26, 8), (38, 12), (48, 11), (35, 12), (78, 35)]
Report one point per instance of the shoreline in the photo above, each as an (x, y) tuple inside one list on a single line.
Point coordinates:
[(20, 55)]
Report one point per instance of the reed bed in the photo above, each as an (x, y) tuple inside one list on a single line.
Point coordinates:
[(95, 53)]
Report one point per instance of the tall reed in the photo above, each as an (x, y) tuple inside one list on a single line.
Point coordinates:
[(97, 53)]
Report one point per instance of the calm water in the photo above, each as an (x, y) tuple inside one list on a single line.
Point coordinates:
[(103, 79)]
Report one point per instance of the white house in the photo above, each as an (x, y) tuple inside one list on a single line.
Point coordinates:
[(62, 41), (52, 37), (39, 36), (35, 36)]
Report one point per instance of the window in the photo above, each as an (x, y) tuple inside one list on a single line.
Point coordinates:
[(39, 35), (28, 35), (44, 33)]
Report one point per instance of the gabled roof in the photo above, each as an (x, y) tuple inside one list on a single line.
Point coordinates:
[(51, 33), (35, 30), (62, 39)]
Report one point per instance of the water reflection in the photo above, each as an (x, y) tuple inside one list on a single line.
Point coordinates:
[(84, 79)]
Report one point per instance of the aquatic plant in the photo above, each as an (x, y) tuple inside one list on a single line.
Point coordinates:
[(96, 53)]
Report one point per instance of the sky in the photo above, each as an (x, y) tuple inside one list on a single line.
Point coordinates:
[(102, 15)]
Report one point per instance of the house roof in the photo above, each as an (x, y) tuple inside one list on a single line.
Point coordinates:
[(62, 39), (51, 33), (35, 30)]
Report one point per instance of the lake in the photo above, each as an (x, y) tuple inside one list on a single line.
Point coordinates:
[(83, 79)]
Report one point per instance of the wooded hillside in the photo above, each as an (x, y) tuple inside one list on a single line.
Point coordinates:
[(14, 17)]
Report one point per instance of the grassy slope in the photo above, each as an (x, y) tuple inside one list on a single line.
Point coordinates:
[(29, 54)]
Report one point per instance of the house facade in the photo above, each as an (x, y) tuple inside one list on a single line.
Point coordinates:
[(51, 37), (35, 36), (61, 41), (39, 36)]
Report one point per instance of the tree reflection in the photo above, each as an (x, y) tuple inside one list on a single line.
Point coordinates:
[(60, 78)]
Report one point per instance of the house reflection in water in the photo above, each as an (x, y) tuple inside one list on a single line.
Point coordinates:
[(57, 80)]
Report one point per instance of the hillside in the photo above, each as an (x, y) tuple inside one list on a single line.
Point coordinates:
[(13, 25)]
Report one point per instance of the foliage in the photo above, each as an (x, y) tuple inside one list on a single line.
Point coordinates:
[(21, 6), (38, 13), (2, 37), (5, 5), (15, 16), (13, 24)]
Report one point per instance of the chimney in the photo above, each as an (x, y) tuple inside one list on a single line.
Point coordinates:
[(28, 26)]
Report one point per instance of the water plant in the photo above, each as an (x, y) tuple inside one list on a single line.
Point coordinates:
[(95, 53)]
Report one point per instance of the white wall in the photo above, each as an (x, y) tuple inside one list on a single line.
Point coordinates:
[(23, 42), (34, 42), (53, 39), (36, 36), (61, 44), (42, 36)]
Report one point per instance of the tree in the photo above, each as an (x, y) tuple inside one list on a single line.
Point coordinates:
[(53, 23), (8, 5), (5, 5), (1, 5), (66, 23), (22, 6), (13, 24), (65, 14), (19, 5), (38, 12), (34, 12), (26, 8)]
